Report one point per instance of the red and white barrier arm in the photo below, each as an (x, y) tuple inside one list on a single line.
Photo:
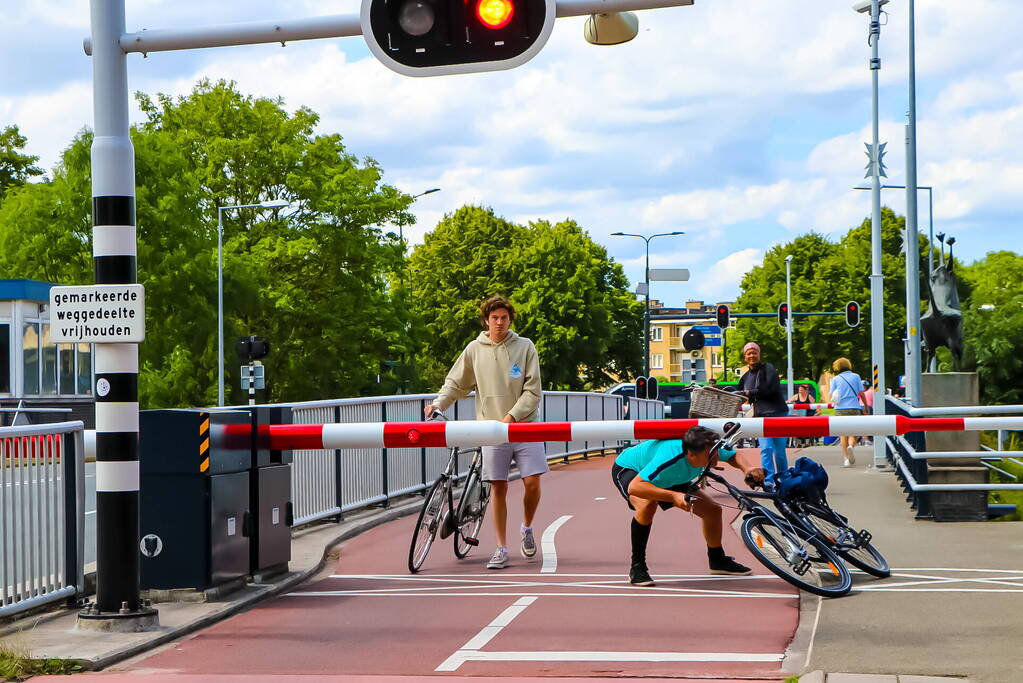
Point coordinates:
[(491, 433)]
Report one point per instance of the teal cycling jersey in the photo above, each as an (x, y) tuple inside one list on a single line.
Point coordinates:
[(663, 462)]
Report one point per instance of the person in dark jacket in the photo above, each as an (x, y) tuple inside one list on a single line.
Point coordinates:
[(762, 388)]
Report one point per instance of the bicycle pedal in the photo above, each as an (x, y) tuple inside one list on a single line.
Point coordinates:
[(863, 537), (469, 540)]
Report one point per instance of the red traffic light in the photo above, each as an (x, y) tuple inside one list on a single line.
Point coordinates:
[(722, 316), (783, 314), (495, 14), (852, 314), (641, 387)]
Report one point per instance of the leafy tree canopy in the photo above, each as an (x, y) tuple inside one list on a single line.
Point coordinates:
[(571, 299), (15, 167)]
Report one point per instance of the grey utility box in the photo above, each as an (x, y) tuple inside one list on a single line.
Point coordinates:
[(270, 482), (194, 501)]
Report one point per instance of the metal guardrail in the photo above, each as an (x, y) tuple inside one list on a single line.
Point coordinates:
[(42, 515), (329, 483), (909, 410)]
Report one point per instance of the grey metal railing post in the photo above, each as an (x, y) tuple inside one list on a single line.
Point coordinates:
[(338, 481), (586, 416), (422, 451), (74, 510), (383, 458), (568, 444)]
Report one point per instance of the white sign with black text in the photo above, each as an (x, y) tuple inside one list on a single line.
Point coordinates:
[(98, 314)]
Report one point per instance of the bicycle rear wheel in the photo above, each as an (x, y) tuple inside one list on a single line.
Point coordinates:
[(802, 560), (846, 541), (471, 510), (435, 507)]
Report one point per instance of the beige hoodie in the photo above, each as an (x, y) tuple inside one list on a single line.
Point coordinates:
[(505, 376)]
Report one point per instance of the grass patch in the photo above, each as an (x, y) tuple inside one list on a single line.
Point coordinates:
[(1013, 441), (792, 679), (16, 665)]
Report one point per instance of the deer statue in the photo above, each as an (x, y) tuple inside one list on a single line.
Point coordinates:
[(942, 325)]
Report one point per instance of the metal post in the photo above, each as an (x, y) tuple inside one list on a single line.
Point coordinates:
[(646, 313), (220, 306), (252, 383), (913, 351), (114, 260), (788, 318), (876, 277)]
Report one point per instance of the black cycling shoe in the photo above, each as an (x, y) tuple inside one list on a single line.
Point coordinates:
[(639, 576), (728, 565)]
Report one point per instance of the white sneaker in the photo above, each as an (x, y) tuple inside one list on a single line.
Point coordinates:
[(845, 463), (499, 560), (852, 457), (528, 546)]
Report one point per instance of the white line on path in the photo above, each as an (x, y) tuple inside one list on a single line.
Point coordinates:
[(550, 553), (484, 636), (461, 656)]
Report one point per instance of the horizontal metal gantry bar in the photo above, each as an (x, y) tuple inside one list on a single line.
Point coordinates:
[(330, 26)]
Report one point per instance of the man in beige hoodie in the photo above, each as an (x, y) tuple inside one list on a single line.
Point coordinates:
[(504, 371)]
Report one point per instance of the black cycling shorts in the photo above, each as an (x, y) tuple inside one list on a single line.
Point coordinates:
[(623, 476)]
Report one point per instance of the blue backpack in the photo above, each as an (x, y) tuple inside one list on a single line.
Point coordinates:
[(806, 479)]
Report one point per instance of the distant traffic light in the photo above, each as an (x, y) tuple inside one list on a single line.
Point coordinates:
[(651, 388), (434, 37), (722, 316), (783, 314), (852, 314), (252, 348), (641, 387)]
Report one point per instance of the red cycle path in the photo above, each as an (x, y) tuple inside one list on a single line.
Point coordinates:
[(455, 618)]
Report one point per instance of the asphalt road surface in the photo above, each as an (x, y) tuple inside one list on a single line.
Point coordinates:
[(568, 612)]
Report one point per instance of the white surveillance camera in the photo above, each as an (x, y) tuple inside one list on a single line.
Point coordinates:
[(863, 6)]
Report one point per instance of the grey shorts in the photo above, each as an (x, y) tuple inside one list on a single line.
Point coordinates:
[(531, 458), (848, 411)]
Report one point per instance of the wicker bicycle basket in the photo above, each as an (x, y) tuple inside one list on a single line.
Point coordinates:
[(711, 402)]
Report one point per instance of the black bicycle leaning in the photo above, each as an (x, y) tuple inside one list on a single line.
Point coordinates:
[(783, 546), (444, 515), (817, 517)]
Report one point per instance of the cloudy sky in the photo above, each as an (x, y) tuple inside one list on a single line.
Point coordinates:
[(740, 122)]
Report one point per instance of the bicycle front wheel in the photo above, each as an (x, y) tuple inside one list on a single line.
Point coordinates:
[(471, 510), (796, 556), (435, 508), (846, 541)]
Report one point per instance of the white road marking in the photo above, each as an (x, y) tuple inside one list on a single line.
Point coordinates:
[(506, 594), (486, 634), (550, 553), (600, 498), (458, 658)]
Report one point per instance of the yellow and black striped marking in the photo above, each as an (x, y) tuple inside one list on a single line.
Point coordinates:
[(204, 442)]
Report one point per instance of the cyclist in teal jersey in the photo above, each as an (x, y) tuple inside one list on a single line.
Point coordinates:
[(659, 472)]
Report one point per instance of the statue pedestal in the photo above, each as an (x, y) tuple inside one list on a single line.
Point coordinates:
[(954, 389)]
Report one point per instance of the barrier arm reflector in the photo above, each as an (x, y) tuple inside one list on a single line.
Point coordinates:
[(490, 433)]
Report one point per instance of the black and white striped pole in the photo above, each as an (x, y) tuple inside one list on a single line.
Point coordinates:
[(116, 381)]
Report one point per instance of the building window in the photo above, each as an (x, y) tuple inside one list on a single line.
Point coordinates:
[(65, 369), (657, 360), (49, 356), (30, 357), (5, 358), (84, 369), (656, 334)]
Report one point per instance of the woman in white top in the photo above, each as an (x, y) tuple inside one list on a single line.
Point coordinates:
[(847, 397)]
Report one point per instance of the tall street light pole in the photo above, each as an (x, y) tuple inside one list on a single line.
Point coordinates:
[(876, 277), (272, 204), (646, 283), (913, 364), (788, 318)]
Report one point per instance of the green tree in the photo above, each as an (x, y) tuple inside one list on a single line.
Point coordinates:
[(15, 167), (314, 279), (993, 325), (572, 300), (825, 276)]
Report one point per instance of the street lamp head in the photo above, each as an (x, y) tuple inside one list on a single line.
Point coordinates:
[(788, 259), (275, 204), (618, 234), (430, 191), (863, 6)]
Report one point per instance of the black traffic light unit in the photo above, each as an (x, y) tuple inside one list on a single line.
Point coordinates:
[(852, 314), (651, 388), (641, 387), (252, 348), (722, 316), (436, 37), (783, 314)]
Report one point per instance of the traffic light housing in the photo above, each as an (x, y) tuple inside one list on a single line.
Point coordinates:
[(436, 37), (641, 387), (722, 316), (852, 314), (252, 348), (783, 314), (651, 388)]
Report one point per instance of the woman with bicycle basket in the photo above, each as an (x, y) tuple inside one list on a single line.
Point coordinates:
[(658, 473)]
